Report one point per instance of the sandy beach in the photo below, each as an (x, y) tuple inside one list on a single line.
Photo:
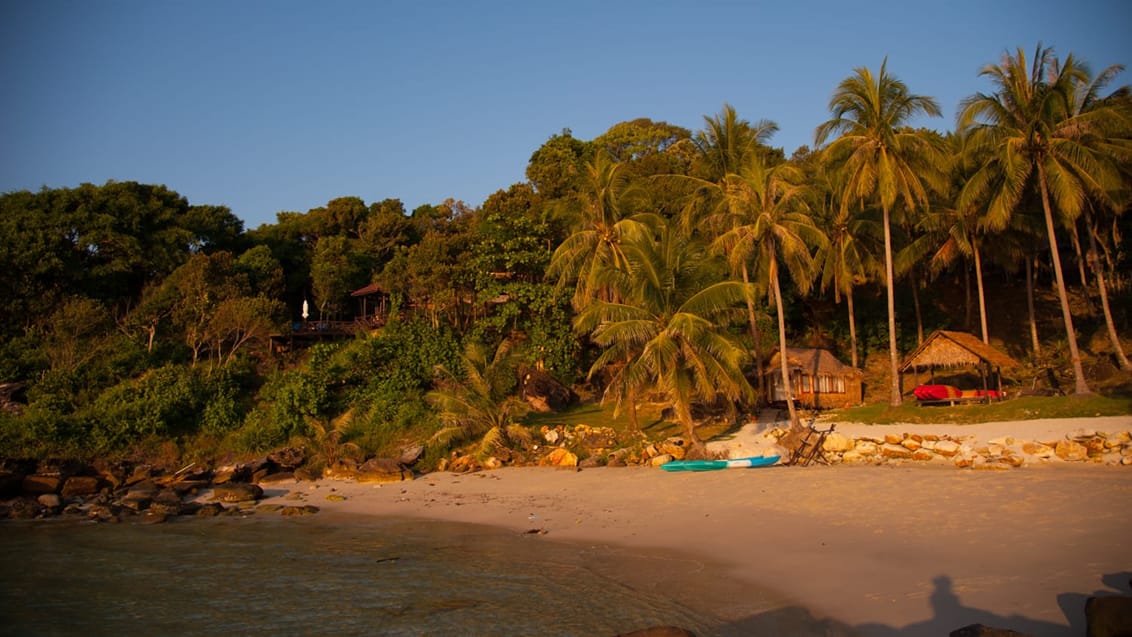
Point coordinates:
[(910, 549)]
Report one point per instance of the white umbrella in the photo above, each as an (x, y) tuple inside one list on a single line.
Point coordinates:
[(306, 309)]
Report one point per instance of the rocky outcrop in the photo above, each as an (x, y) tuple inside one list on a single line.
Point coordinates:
[(1113, 448)]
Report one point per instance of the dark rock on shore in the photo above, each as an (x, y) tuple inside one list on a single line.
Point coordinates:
[(237, 492)]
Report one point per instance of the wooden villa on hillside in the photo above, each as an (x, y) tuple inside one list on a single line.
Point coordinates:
[(944, 350), (819, 380)]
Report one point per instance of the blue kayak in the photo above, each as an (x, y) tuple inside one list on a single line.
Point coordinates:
[(714, 465)]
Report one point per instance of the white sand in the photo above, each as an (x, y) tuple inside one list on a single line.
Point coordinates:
[(905, 550)]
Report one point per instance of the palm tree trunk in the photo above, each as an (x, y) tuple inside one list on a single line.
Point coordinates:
[(684, 414), (967, 297), (895, 399), (852, 325), (916, 304), (1081, 259), (755, 338), (1095, 262), (982, 293), (1080, 387), (1036, 344), (795, 422)]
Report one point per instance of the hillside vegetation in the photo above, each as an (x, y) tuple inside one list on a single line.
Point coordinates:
[(651, 269)]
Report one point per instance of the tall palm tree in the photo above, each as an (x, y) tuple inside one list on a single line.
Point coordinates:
[(1114, 128), (1032, 137), (883, 161), (725, 145), (670, 327), (847, 258), (600, 228), (771, 230), (727, 141)]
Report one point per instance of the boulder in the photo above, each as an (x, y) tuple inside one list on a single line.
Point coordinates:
[(81, 486), (1071, 450), (674, 447), (911, 444), (37, 484), (544, 393), (210, 509), (382, 470), (1094, 446), (1108, 616), (838, 443), (289, 458), (893, 439), (663, 458), (1037, 450), (946, 448), (923, 455), (559, 457), (24, 509), (236, 492), (50, 501), (897, 451), (410, 455), (866, 448)]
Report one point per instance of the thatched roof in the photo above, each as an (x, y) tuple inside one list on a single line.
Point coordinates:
[(955, 349), (812, 362)]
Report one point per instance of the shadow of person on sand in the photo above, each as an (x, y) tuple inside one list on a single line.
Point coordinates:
[(948, 614)]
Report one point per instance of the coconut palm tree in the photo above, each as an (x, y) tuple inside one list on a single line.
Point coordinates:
[(479, 397), (884, 162), (669, 329), (770, 227), (727, 141), (848, 256), (595, 244), (1115, 128), (1033, 138)]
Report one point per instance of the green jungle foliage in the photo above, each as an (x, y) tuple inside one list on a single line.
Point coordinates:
[(648, 266)]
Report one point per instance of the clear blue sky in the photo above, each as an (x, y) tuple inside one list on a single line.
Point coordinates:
[(266, 106)]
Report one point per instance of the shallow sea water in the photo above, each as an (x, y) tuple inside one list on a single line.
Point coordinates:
[(339, 576)]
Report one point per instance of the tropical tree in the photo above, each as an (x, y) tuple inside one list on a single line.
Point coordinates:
[(767, 213), (1114, 128), (726, 142), (1033, 138), (480, 396), (884, 162), (600, 227), (668, 330), (847, 258)]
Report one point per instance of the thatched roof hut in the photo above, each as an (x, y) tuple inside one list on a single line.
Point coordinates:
[(818, 379), (949, 350), (945, 349)]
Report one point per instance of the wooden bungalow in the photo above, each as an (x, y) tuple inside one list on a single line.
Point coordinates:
[(944, 350), (819, 380)]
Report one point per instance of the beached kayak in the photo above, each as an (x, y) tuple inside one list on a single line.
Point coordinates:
[(713, 465)]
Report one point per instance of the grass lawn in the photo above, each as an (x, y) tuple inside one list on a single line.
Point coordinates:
[(1023, 408)]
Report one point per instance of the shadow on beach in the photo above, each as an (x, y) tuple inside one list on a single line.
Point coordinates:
[(948, 615)]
